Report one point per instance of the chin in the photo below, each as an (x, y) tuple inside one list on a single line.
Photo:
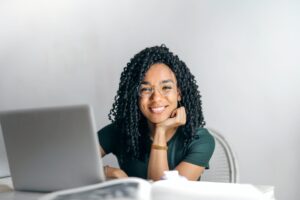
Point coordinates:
[(156, 120)]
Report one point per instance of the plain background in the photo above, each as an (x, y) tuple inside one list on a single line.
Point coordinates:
[(244, 55)]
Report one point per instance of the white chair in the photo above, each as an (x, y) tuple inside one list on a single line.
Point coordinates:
[(223, 165)]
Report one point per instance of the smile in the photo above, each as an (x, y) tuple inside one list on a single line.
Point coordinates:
[(158, 110)]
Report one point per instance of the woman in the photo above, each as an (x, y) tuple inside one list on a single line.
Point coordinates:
[(157, 121)]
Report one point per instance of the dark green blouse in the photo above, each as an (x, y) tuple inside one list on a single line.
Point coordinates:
[(197, 152)]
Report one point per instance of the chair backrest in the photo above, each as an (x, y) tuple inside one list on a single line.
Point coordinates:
[(223, 165)]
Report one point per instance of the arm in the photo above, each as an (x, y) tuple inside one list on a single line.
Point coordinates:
[(111, 172), (190, 171), (158, 161), (107, 137), (102, 152), (199, 153)]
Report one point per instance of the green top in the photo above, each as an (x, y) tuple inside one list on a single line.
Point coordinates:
[(197, 152)]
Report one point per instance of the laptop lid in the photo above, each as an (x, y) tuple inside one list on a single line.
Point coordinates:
[(51, 149), (4, 170)]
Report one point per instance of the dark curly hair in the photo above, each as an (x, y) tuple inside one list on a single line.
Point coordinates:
[(125, 112)]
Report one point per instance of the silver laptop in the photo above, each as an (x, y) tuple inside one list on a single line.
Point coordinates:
[(51, 149), (4, 170)]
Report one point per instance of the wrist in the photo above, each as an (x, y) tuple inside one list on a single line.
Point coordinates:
[(159, 147), (159, 128), (159, 140), (159, 133)]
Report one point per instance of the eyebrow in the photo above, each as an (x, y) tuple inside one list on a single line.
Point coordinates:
[(164, 81)]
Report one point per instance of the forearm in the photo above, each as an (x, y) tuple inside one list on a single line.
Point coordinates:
[(111, 172), (158, 161)]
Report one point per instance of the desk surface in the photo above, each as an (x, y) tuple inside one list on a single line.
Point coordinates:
[(8, 193)]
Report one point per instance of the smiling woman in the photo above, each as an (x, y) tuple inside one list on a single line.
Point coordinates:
[(157, 121), (158, 104)]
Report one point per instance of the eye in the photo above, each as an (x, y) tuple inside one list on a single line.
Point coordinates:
[(146, 90), (167, 88)]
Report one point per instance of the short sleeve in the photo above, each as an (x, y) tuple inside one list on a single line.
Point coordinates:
[(108, 137), (200, 149)]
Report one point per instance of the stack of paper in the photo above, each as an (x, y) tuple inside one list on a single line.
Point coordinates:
[(192, 190)]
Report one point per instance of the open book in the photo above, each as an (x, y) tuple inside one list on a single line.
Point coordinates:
[(117, 189), (139, 189)]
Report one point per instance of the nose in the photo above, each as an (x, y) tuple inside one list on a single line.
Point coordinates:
[(156, 95)]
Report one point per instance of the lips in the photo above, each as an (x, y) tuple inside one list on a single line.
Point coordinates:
[(158, 109)]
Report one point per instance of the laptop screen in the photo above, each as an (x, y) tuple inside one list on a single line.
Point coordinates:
[(4, 169), (51, 149)]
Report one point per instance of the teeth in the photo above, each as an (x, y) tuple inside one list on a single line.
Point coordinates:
[(158, 109)]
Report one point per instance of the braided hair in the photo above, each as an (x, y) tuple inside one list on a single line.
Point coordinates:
[(125, 111)]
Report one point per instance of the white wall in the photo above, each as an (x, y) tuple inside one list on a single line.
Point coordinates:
[(244, 55)]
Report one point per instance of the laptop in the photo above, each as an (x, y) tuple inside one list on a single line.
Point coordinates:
[(51, 149), (4, 170)]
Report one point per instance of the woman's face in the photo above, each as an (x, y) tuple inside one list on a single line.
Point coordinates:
[(158, 93)]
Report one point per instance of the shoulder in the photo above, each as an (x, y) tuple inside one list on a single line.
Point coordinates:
[(200, 149), (108, 138), (202, 142), (108, 129), (202, 136)]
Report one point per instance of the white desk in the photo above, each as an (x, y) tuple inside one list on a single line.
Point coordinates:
[(8, 193)]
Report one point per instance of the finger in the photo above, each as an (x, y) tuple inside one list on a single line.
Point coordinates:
[(171, 122), (174, 113), (181, 114), (184, 115)]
